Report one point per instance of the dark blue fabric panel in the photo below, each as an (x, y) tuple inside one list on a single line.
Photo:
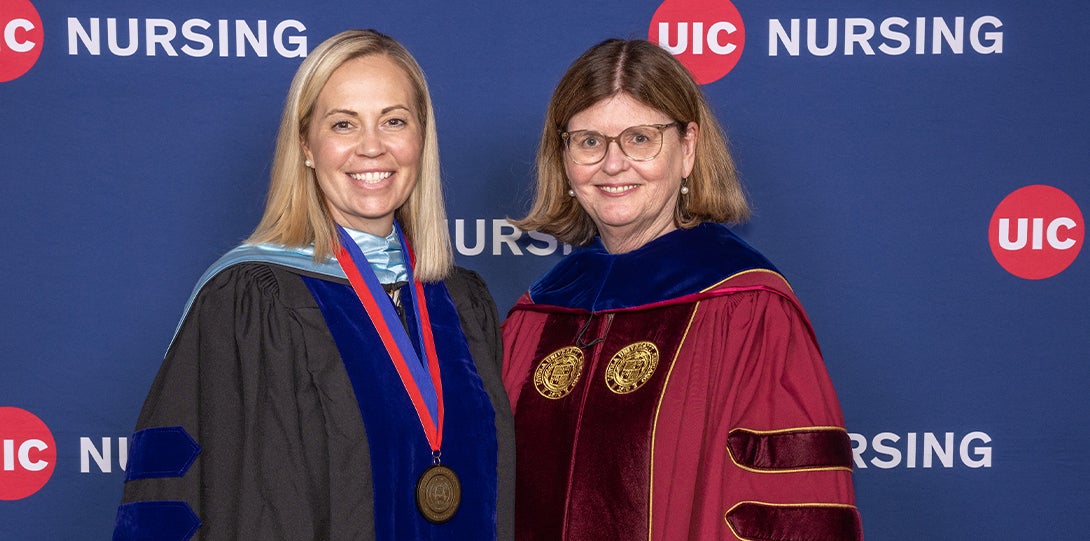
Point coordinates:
[(155, 521), (610, 282), (162, 451), (399, 450)]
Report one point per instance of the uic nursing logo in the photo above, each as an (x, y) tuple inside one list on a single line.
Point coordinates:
[(707, 36), (1036, 232), (21, 38), (27, 453)]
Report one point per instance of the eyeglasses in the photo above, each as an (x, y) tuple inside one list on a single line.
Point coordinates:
[(639, 143)]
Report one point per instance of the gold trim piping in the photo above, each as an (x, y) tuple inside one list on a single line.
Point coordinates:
[(742, 273), (655, 424), (792, 429)]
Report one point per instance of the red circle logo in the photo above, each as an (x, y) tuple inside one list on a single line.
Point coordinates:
[(27, 453), (21, 37), (1036, 232), (707, 36)]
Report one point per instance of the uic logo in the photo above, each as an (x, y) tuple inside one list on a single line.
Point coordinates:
[(1036, 232), (21, 37), (707, 36), (27, 453)]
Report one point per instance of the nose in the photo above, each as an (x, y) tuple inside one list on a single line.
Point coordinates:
[(370, 143), (615, 160)]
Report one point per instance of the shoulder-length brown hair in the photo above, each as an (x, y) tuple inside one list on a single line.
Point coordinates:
[(655, 78), (296, 212)]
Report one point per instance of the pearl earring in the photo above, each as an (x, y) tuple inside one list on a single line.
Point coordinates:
[(309, 164), (684, 188), (571, 193)]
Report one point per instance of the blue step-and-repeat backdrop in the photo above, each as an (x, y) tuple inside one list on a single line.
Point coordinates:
[(919, 171)]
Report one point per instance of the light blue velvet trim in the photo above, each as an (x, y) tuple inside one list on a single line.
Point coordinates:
[(388, 262), (295, 258)]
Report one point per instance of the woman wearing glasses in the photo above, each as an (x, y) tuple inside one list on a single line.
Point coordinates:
[(666, 382)]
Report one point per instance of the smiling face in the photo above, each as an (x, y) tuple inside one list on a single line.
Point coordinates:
[(365, 142), (630, 202)]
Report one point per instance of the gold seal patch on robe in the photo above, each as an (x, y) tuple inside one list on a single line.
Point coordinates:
[(558, 373), (631, 367)]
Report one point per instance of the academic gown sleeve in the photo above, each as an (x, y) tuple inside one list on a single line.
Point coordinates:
[(254, 378), (761, 434)]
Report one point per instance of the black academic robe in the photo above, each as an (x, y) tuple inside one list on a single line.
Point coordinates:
[(255, 378)]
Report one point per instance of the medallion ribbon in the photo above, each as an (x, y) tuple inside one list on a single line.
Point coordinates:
[(425, 388)]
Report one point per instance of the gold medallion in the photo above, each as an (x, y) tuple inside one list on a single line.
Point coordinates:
[(438, 494), (631, 367), (558, 373)]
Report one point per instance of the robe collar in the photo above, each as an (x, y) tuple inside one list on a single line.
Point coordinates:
[(681, 262)]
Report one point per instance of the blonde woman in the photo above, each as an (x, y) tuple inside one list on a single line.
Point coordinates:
[(335, 377)]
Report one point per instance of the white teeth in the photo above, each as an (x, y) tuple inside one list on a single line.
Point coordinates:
[(371, 177), (617, 189)]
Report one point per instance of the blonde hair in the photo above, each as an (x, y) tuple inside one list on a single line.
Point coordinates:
[(296, 213), (652, 76)]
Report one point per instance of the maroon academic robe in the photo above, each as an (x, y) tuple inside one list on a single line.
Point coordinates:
[(675, 392)]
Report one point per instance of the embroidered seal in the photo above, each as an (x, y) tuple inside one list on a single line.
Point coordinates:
[(558, 373), (631, 367)]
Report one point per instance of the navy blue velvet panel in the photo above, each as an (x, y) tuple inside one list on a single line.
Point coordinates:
[(399, 450), (676, 264), (155, 521), (162, 451)]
